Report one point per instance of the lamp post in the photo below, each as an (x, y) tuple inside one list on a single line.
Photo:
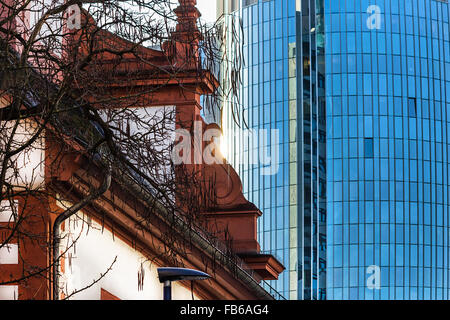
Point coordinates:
[(169, 275)]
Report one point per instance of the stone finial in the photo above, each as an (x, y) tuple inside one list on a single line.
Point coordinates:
[(187, 14), (186, 37)]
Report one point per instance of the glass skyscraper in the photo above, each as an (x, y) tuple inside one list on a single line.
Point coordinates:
[(356, 96)]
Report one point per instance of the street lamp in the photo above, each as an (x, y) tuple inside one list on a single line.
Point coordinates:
[(169, 275)]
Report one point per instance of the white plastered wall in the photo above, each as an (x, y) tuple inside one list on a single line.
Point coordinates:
[(91, 250), (153, 126), (27, 168)]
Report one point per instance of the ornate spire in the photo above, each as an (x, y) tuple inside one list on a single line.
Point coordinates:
[(184, 45), (187, 16)]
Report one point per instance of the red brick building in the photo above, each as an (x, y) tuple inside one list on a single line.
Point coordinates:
[(115, 242)]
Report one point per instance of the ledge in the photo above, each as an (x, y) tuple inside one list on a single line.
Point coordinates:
[(265, 265)]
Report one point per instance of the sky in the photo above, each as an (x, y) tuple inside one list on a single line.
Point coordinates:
[(207, 9)]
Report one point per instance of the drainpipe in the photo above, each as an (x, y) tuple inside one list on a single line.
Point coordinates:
[(64, 216)]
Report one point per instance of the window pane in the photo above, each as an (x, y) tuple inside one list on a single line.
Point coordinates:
[(412, 107), (368, 147)]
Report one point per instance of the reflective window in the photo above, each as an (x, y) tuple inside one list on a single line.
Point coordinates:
[(368, 147), (412, 108)]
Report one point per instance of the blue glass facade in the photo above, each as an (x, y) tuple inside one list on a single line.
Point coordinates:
[(268, 102), (359, 92), (387, 147)]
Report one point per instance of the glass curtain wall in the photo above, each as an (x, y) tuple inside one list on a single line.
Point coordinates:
[(358, 92), (277, 117), (387, 119)]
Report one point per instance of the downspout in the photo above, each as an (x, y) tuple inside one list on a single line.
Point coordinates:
[(64, 216)]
